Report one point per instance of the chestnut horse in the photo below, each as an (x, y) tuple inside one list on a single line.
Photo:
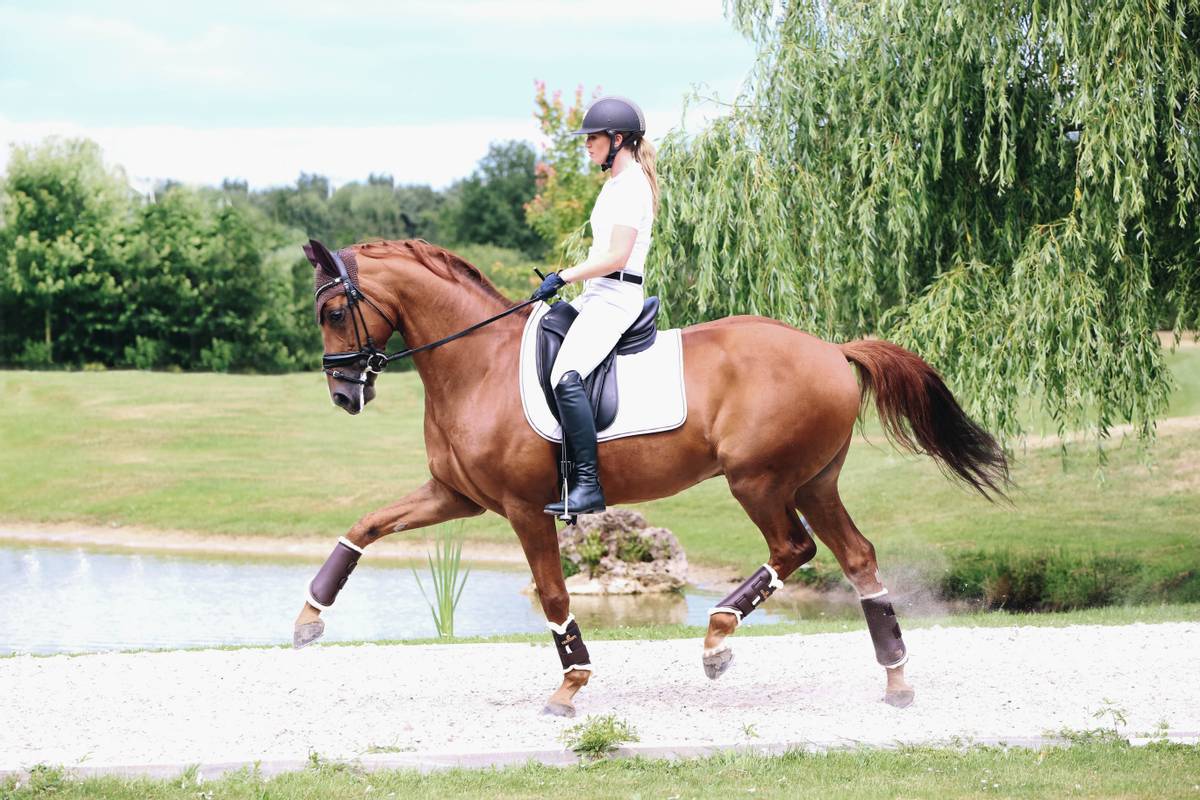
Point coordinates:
[(768, 406)]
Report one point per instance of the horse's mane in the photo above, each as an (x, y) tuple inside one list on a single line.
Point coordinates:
[(436, 259)]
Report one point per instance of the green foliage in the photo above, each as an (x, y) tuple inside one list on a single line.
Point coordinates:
[(189, 777), (394, 747), (46, 781), (1054, 581), (304, 207), (634, 548), (489, 206), (35, 354), (144, 353), (820, 574), (211, 286), (510, 270), (591, 550), (445, 565), (220, 356), (355, 212), (1115, 714), (92, 274), (1104, 735), (66, 226), (320, 765), (1008, 190), (597, 737), (567, 183)]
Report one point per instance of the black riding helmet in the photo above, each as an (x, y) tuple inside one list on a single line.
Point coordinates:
[(613, 115)]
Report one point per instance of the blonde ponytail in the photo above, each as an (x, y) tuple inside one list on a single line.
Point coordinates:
[(645, 154)]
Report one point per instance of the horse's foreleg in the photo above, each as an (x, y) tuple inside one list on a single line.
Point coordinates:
[(790, 546), (539, 539), (823, 509), (432, 503)]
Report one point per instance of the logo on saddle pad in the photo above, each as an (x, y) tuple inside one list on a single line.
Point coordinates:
[(637, 389)]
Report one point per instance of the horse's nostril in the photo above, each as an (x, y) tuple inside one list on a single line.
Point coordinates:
[(341, 400)]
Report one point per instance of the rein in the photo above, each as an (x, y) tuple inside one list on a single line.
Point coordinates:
[(368, 357)]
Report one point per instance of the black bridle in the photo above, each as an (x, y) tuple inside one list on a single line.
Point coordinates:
[(369, 359)]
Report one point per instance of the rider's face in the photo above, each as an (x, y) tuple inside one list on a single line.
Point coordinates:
[(597, 147)]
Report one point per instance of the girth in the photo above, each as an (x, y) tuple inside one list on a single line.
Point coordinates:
[(601, 385)]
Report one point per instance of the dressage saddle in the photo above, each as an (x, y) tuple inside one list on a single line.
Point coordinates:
[(601, 385)]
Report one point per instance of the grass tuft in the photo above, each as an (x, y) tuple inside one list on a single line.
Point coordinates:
[(597, 737), (46, 781)]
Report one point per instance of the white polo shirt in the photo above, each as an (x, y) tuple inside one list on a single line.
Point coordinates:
[(625, 199)]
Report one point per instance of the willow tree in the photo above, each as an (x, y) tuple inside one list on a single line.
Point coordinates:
[(1007, 188)]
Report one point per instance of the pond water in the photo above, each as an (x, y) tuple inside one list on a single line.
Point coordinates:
[(73, 599)]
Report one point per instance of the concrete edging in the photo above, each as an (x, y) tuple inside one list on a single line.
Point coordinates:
[(431, 761)]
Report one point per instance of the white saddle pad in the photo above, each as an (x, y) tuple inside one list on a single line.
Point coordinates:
[(649, 383)]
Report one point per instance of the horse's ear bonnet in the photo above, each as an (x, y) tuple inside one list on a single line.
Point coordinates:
[(331, 273)]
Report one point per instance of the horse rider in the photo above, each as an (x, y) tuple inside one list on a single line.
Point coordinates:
[(613, 295)]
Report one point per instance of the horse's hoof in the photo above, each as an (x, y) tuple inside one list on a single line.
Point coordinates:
[(307, 633), (902, 698), (717, 662), (559, 710)]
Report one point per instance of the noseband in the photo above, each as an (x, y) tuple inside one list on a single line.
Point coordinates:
[(369, 359)]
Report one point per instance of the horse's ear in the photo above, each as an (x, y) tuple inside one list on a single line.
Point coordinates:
[(310, 255), (320, 256)]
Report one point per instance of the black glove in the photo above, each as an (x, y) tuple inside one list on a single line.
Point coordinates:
[(550, 286)]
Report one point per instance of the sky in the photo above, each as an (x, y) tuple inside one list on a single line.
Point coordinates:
[(260, 91)]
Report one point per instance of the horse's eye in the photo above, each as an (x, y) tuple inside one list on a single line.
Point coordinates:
[(337, 315)]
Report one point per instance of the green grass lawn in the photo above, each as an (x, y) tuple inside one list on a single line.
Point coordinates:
[(270, 456), (1185, 368), (1096, 768)]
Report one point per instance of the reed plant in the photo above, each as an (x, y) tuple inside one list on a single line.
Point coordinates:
[(447, 578)]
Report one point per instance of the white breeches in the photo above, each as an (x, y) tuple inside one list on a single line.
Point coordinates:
[(603, 316)]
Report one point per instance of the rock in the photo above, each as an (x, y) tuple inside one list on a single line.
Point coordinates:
[(616, 552), (582, 584)]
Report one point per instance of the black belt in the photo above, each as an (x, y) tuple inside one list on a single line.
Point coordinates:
[(624, 277)]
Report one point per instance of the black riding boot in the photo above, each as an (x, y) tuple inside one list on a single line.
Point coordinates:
[(579, 438)]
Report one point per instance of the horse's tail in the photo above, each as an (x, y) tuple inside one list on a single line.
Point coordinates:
[(920, 414)]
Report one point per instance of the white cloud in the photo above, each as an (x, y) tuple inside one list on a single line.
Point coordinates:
[(558, 12), (436, 154), (212, 54)]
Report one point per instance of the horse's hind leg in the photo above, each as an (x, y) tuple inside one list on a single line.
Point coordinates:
[(769, 506), (822, 507)]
